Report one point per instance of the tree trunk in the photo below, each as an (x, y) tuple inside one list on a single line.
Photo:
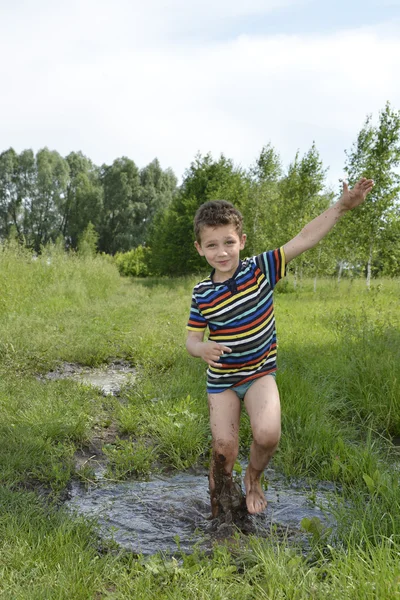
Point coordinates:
[(369, 265), (340, 271), (317, 268)]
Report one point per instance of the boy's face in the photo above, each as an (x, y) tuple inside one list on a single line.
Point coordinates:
[(221, 247)]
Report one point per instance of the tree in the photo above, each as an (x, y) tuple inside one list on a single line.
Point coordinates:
[(84, 195), (88, 240), (301, 198), (261, 211), (123, 210), (376, 155), (45, 196), (387, 260), (17, 184), (157, 188), (171, 237), (10, 199)]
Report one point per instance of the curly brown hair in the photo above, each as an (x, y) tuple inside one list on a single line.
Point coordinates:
[(216, 213)]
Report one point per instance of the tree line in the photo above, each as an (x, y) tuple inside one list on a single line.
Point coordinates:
[(44, 197)]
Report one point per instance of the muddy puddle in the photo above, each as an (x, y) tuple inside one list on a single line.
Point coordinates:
[(108, 378), (151, 516), (172, 513)]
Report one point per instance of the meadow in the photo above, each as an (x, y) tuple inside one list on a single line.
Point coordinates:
[(339, 377)]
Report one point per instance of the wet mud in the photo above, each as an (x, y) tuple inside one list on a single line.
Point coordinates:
[(228, 503)]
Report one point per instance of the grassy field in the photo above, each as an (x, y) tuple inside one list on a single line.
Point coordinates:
[(339, 377)]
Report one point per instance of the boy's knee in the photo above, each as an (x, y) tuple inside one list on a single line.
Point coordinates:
[(267, 439), (225, 451)]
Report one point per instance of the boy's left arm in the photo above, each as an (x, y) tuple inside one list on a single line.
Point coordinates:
[(317, 229)]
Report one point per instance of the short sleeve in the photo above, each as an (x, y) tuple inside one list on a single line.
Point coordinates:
[(272, 264), (196, 320)]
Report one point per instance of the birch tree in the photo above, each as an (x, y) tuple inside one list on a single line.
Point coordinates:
[(376, 155), (261, 210), (302, 199)]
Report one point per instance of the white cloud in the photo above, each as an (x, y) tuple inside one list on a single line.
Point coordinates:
[(111, 83)]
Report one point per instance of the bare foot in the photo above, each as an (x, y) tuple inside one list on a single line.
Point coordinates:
[(255, 499)]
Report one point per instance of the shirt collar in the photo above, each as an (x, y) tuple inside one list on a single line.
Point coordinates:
[(230, 283)]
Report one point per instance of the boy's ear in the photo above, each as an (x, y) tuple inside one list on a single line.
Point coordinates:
[(198, 248), (243, 241)]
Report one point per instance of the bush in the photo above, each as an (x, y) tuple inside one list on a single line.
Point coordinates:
[(133, 263)]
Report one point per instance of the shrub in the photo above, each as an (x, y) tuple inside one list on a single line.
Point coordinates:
[(133, 263)]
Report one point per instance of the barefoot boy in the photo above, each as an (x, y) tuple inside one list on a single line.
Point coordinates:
[(236, 304)]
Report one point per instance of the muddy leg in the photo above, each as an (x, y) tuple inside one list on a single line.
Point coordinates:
[(224, 422), (220, 482)]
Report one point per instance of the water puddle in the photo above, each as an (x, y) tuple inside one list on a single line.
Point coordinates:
[(146, 517), (172, 513), (109, 378)]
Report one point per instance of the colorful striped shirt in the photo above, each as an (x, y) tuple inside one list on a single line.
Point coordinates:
[(239, 313)]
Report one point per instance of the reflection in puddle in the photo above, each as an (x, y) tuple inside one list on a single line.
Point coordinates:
[(147, 517)]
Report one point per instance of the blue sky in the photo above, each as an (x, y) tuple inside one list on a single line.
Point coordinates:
[(170, 79), (320, 17), (302, 17)]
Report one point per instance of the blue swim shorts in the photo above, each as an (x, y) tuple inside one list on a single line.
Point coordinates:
[(240, 390)]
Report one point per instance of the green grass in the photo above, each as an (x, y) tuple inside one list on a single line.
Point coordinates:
[(42, 423), (339, 378), (44, 554), (126, 458)]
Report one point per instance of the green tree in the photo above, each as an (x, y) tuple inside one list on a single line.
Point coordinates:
[(387, 261), (376, 155), (157, 188), (171, 237), (46, 195), (10, 199), (123, 210), (84, 195), (301, 198), (88, 240), (261, 210), (17, 184)]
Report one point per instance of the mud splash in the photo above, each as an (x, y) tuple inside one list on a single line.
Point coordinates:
[(168, 514), (109, 378)]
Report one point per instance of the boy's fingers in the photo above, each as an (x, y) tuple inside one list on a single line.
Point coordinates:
[(214, 364), (225, 348)]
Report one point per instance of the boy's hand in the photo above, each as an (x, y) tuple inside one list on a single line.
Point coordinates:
[(353, 197), (211, 352)]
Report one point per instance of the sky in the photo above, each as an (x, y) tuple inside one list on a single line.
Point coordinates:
[(172, 78)]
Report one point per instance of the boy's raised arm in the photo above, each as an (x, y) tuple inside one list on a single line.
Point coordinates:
[(317, 229)]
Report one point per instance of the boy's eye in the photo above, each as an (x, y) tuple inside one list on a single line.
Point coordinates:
[(230, 242)]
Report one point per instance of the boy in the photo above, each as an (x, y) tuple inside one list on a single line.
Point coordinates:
[(236, 304)]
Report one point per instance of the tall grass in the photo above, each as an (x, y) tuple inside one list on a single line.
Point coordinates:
[(46, 307)]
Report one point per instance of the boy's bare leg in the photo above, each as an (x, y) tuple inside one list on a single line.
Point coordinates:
[(224, 422), (263, 405)]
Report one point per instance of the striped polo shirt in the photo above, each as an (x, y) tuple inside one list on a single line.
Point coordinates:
[(239, 313)]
